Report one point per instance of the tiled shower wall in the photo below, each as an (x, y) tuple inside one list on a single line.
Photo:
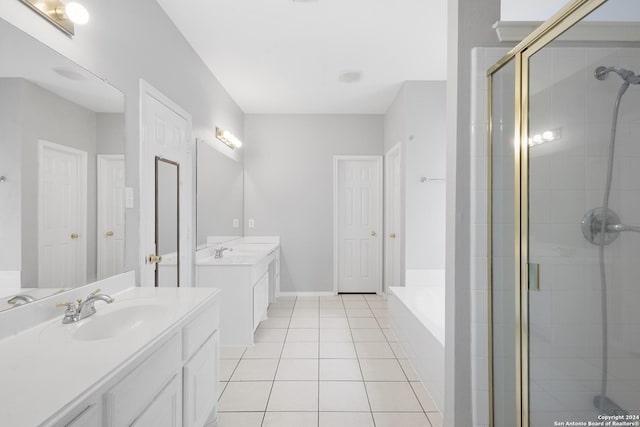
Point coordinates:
[(567, 178)]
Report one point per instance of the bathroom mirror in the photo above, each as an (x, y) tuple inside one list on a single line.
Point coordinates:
[(220, 195), (167, 223), (62, 194)]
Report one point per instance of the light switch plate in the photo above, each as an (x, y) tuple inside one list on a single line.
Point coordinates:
[(252, 223), (236, 223)]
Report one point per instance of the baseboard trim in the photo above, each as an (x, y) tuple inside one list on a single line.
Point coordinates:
[(307, 294)]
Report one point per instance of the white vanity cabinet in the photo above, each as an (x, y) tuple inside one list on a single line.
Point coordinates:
[(247, 288)]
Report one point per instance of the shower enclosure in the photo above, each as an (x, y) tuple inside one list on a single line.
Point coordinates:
[(565, 221)]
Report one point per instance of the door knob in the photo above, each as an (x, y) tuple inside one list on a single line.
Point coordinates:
[(109, 233), (75, 236), (392, 235), (155, 259), (373, 233)]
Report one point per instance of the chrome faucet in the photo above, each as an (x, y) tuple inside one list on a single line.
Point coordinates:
[(84, 308), (219, 251), (22, 297)]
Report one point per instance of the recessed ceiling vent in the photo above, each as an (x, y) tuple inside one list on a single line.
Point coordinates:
[(69, 73), (350, 76)]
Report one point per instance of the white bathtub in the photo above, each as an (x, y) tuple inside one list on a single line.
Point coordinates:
[(416, 317)]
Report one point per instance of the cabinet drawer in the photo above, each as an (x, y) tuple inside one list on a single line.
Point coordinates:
[(166, 408), (200, 379), (201, 328), (259, 269), (126, 401)]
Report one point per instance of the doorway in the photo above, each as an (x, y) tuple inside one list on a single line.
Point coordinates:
[(357, 223), (393, 217), (111, 211), (62, 216)]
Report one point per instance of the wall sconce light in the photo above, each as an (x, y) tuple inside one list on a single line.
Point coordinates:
[(60, 15), (228, 138), (544, 137)]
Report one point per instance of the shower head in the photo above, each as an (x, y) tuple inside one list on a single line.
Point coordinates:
[(601, 73)]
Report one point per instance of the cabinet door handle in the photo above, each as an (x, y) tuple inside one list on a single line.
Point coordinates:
[(109, 234), (373, 233), (75, 236), (392, 235)]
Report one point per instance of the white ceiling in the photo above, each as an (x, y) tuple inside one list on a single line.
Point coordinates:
[(25, 57), (282, 56)]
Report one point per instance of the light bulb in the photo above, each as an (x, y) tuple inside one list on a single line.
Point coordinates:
[(77, 13), (537, 139), (547, 135)]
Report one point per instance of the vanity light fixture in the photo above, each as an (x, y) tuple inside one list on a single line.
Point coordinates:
[(544, 137), (60, 15), (228, 138)]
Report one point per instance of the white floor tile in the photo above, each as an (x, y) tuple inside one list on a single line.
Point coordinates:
[(226, 367), (436, 419), (331, 305), (279, 312), (297, 370), (395, 419), (355, 303), (255, 370), (281, 305), (309, 313), (374, 350), (382, 304), (333, 323), (335, 335), (380, 312), (307, 298), (304, 323), (270, 335), (397, 350), (290, 419), (392, 397), (264, 350), (333, 298), (245, 396), (363, 323), (237, 419), (231, 352), (383, 321), (303, 335), (293, 396), (340, 370), (300, 350), (359, 312), (368, 335), (337, 350), (275, 323), (381, 370), (307, 304), (407, 367), (353, 297), (424, 397), (343, 396), (391, 337), (333, 312), (346, 419)]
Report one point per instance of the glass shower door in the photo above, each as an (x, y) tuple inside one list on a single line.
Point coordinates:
[(584, 292)]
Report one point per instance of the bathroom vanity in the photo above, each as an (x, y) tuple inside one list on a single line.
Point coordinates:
[(150, 358), (248, 274)]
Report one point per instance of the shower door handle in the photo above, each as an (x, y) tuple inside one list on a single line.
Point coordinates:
[(534, 277), (616, 228)]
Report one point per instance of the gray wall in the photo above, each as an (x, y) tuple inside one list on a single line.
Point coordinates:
[(417, 121), (110, 138), (143, 44), (289, 186), (11, 111)]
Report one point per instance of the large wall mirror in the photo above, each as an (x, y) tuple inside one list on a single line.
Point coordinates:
[(220, 195), (62, 187)]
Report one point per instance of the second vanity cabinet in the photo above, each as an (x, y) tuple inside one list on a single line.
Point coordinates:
[(247, 285)]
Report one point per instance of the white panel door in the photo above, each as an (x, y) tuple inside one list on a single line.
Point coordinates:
[(166, 133), (62, 211), (393, 217), (111, 211), (358, 223)]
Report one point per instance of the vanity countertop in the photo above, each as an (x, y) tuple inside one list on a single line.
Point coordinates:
[(240, 255), (44, 368)]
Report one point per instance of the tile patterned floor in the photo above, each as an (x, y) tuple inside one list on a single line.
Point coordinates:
[(323, 362)]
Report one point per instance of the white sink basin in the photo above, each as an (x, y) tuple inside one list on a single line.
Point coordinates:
[(117, 321)]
